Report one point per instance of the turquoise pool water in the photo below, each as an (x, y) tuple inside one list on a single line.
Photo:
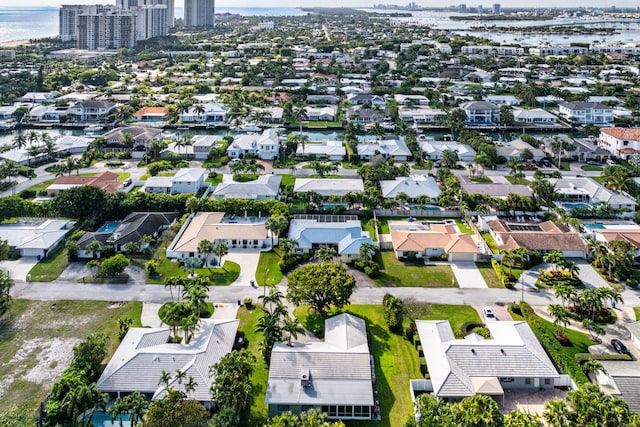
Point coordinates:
[(594, 226), (108, 227), (427, 207), (574, 205), (103, 419)]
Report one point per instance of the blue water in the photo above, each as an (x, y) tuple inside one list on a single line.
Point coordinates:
[(427, 207), (108, 227), (24, 23), (573, 205), (103, 419), (259, 11), (594, 226)]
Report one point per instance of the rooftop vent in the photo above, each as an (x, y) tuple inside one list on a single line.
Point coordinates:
[(503, 352), (473, 350), (305, 377)]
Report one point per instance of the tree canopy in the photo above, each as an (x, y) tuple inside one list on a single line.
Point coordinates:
[(321, 286)]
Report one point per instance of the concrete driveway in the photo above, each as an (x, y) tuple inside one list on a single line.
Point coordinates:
[(247, 259), (589, 275), (468, 275), (19, 268)]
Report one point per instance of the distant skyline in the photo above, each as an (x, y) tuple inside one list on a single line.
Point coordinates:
[(353, 3)]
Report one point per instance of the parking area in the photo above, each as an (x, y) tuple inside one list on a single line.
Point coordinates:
[(20, 268), (468, 275)]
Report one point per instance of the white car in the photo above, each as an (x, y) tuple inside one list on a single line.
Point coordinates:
[(488, 314)]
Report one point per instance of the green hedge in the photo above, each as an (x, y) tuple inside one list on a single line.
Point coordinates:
[(466, 327), (565, 364), (509, 281), (583, 357)]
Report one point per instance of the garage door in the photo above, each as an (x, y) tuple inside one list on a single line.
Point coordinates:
[(462, 257)]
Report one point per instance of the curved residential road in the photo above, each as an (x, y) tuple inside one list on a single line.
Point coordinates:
[(230, 294)]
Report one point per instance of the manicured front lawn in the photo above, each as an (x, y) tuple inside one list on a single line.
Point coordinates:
[(218, 276), (216, 180), (591, 168), (256, 412), (36, 341), (463, 226), (489, 275), (41, 187), (123, 175), (396, 273), (516, 181), (395, 359), (288, 180), (51, 267), (269, 261), (457, 315), (368, 225)]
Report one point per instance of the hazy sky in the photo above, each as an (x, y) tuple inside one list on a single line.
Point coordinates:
[(360, 3)]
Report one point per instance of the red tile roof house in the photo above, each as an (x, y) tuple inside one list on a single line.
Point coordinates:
[(621, 141), (151, 114), (108, 181)]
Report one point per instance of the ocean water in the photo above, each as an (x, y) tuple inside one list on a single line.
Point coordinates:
[(24, 23)]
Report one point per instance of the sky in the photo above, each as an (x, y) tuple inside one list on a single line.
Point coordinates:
[(359, 3)]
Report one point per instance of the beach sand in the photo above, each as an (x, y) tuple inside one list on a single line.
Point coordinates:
[(14, 43)]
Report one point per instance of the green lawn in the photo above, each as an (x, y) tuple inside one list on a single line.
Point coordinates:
[(40, 187), (516, 181), (269, 261), (463, 226), (37, 337), (287, 179), (636, 310), (256, 413), (50, 268), (489, 275), (490, 241), (481, 179), (591, 168), (395, 358), (217, 180), (367, 225), (123, 175), (218, 276), (413, 273)]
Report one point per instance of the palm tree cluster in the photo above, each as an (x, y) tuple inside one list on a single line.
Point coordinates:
[(275, 322), (185, 314), (36, 143), (247, 166), (615, 258), (134, 404)]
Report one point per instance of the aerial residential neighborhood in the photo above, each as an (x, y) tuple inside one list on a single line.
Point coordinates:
[(386, 216)]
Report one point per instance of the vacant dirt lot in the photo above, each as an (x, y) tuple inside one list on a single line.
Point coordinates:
[(37, 340)]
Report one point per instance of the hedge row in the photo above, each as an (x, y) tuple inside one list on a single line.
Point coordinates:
[(565, 364), (467, 327), (583, 357), (508, 280)]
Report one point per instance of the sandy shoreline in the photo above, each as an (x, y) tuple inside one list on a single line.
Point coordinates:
[(14, 43)]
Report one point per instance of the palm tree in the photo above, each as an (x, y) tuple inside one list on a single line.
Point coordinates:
[(449, 158), (557, 414), (561, 316), (325, 254), (94, 247), (564, 292), (221, 249), (572, 268), (594, 329), (19, 141), (276, 224), (287, 247), (205, 247), (482, 159), (555, 258), (180, 376), (592, 366), (292, 327), (190, 385), (165, 378)]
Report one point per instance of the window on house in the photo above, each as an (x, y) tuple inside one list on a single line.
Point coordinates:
[(547, 381), (527, 381)]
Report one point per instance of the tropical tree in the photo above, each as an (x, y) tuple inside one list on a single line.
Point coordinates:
[(276, 224), (292, 327), (205, 247), (449, 158), (325, 254), (5, 297), (561, 317), (554, 257), (456, 118), (593, 328), (232, 383), (221, 249), (321, 286), (592, 366)]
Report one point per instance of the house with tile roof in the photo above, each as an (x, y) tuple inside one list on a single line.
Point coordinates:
[(413, 186), (342, 232), (535, 236), (334, 375), (107, 181), (142, 137), (387, 148), (151, 114), (330, 150), (35, 237), (266, 187), (511, 359), (425, 239), (216, 227), (186, 180), (625, 232), (620, 142), (329, 186), (144, 353)]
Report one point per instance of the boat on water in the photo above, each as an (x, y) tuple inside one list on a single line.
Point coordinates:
[(247, 127), (7, 125), (93, 129)]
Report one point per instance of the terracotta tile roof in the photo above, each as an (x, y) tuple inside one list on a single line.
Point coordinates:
[(108, 181), (151, 110), (550, 235), (623, 133), (438, 237), (632, 236)]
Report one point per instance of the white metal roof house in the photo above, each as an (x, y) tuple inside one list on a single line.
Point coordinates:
[(587, 113), (334, 375), (433, 149), (210, 112), (331, 150), (328, 186), (536, 116), (413, 186), (186, 180), (266, 187), (264, 146), (511, 359), (395, 148), (587, 190), (35, 237), (514, 150), (343, 232), (144, 353)]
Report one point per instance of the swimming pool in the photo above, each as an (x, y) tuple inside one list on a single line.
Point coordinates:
[(103, 419), (594, 226), (427, 207), (108, 227), (575, 205)]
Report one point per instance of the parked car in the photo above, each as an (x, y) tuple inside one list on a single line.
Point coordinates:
[(620, 347), (611, 162), (488, 314), (594, 163)]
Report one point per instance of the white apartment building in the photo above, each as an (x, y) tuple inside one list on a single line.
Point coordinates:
[(558, 50), (199, 13), (492, 50), (587, 113)]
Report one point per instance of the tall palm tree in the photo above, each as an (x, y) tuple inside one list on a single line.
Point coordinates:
[(292, 327), (205, 247), (561, 316), (20, 140), (221, 249)]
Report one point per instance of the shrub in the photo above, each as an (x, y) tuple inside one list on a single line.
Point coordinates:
[(467, 327), (632, 282), (392, 312), (583, 357), (409, 333), (482, 331), (507, 279), (248, 302), (424, 370), (27, 194), (547, 338), (370, 268), (43, 193)]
